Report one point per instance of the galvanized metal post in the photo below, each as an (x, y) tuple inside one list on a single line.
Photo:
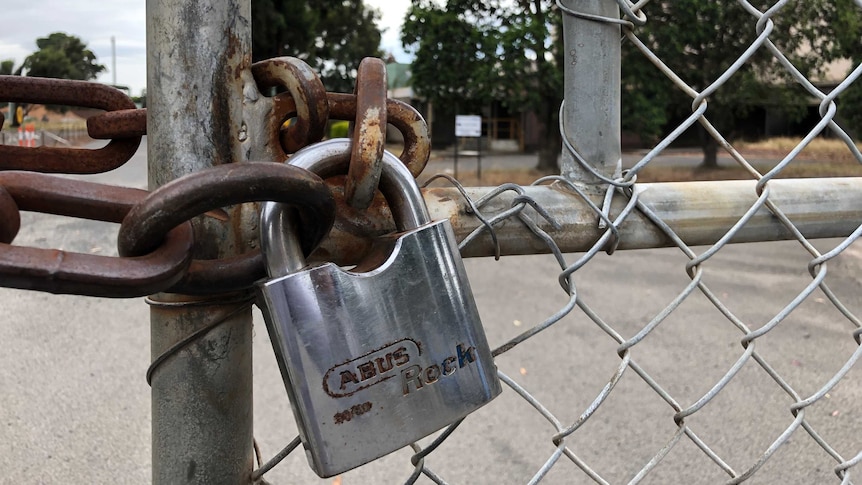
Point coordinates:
[(198, 55), (592, 88)]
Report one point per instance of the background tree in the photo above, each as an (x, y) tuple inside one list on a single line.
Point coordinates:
[(332, 36), (474, 52), (453, 55), (848, 29), (62, 56), (700, 40), (281, 28), (7, 67)]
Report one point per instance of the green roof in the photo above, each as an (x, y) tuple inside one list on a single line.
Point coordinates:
[(398, 75)]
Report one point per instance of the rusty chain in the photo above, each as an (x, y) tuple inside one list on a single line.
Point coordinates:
[(57, 271), (306, 88), (67, 160), (405, 118), (10, 218), (184, 198), (155, 238)]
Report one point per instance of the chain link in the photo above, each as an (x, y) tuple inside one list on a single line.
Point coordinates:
[(309, 106), (82, 94), (405, 118), (57, 271), (10, 218), (369, 134), (193, 194), (123, 123)]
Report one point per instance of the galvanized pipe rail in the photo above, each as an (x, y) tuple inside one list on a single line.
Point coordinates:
[(701, 213)]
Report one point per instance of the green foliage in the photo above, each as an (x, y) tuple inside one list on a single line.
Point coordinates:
[(141, 100), (700, 40), (850, 109), (453, 62), (332, 36), (7, 67), (339, 129), (62, 56), (470, 53), (848, 28)]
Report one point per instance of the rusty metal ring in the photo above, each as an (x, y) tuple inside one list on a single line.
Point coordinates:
[(10, 217), (83, 94), (414, 129), (223, 185), (411, 124), (417, 142), (57, 271), (369, 134), (308, 92)]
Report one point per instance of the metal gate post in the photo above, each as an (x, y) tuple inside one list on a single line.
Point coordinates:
[(198, 58), (592, 88)]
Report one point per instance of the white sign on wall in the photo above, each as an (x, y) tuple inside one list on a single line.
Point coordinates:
[(468, 125)]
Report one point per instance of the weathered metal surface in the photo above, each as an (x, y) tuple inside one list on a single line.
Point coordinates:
[(57, 271), (369, 133), (591, 115), (184, 198), (414, 129), (73, 198), (10, 218), (124, 123), (308, 93), (198, 69), (201, 392), (84, 94)]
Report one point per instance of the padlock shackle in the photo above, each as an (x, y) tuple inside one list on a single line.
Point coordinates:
[(279, 243), (331, 157)]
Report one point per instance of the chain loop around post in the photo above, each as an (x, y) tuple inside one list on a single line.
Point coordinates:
[(83, 94), (310, 107), (369, 134), (58, 271), (223, 185)]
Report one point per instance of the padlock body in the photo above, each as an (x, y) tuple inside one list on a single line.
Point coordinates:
[(374, 361)]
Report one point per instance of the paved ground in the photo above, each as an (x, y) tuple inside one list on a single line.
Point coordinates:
[(74, 404), (444, 160)]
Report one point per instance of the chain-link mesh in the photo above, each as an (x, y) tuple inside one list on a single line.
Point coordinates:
[(715, 413)]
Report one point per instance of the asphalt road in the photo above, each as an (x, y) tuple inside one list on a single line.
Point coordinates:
[(74, 404)]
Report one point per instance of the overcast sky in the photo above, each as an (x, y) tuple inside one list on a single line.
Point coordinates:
[(95, 22)]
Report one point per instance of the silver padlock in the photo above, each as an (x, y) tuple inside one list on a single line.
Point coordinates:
[(374, 360)]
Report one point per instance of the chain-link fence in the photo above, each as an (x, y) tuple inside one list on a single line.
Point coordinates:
[(716, 365), (700, 362)]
